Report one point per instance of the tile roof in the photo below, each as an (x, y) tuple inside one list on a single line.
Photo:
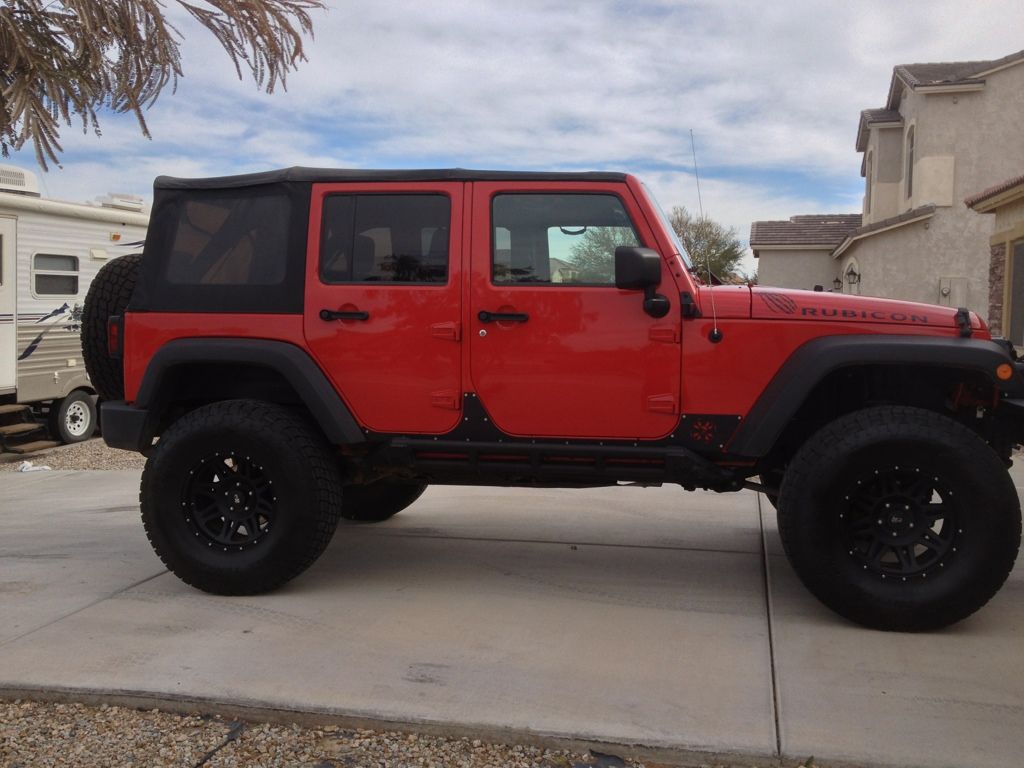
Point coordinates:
[(827, 230), (914, 214), (998, 189), (945, 73), (869, 117)]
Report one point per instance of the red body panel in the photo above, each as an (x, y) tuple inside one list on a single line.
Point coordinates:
[(589, 363), (146, 332)]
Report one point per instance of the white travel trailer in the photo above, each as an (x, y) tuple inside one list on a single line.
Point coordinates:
[(49, 253)]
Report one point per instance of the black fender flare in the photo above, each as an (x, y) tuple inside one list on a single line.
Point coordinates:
[(814, 360), (292, 362)]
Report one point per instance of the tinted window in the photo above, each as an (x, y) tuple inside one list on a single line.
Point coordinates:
[(558, 239), (54, 275), (385, 238), (231, 238)]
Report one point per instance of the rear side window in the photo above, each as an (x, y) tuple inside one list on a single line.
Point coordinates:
[(385, 238), (54, 275), (558, 238), (230, 239)]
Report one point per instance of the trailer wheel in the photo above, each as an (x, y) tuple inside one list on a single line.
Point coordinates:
[(899, 518), (108, 295), (73, 419)]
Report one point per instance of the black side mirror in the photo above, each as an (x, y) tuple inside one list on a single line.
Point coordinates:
[(636, 268), (639, 269)]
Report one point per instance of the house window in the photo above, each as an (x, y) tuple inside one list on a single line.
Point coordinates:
[(385, 238), (1016, 325), (566, 239), (910, 162), (54, 275)]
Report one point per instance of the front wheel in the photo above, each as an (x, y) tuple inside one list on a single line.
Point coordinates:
[(239, 497), (899, 518)]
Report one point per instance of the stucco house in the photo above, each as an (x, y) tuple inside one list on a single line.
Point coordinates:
[(1005, 201), (946, 131)]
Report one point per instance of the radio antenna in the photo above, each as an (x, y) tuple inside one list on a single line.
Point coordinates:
[(716, 335)]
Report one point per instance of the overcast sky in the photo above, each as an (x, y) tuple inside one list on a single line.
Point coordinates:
[(771, 90)]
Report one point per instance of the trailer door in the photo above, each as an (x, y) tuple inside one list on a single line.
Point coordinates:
[(8, 292)]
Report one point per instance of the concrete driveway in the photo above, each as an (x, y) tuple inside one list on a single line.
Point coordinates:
[(628, 616)]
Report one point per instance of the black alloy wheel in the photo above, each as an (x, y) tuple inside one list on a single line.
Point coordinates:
[(900, 522), (228, 500)]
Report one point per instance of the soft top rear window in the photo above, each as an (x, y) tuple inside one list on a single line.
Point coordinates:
[(228, 239), (238, 250)]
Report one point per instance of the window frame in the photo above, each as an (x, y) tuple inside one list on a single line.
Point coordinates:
[(77, 274), (641, 243), (356, 193)]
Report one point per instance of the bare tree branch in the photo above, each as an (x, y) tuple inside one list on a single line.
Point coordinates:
[(64, 61)]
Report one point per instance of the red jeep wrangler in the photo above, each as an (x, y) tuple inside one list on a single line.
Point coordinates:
[(305, 345)]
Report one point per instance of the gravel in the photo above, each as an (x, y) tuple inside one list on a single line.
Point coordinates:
[(79, 736), (92, 454)]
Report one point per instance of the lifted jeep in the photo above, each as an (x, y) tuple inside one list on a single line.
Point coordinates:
[(305, 345)]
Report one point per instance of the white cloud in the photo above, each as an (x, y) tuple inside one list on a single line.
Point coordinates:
[(772, 91)]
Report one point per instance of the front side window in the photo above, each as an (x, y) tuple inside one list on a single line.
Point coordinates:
[(385, 238), (54, 275), (552, 239)]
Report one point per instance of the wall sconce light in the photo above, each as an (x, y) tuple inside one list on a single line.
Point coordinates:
[(837, 285), (852, 276)]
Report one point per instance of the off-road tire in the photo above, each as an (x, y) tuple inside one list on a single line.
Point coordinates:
[(851, 497), (73, 419), (281, 490), (377, 502), (108, 295)]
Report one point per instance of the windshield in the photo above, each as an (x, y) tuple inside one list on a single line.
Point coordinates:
[(667, 225)]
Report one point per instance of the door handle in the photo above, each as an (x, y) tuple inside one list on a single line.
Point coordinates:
[(329, 314), (513, 317)]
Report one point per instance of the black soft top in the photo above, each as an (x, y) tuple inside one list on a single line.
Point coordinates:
[(302, 174)]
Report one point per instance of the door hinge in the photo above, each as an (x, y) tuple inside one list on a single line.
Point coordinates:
[(446, 398), (688, 305), (450, 331), (662, 403)]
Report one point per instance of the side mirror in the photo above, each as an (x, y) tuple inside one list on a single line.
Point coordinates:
[(636, 268), (639, 269)]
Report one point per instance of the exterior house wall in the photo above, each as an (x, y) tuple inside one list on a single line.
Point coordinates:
[(917, 261), (1008, 236), (796, 268), (886, 146)]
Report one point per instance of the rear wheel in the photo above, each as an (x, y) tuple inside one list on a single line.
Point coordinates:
[(378, 501), (240, 496), (73, 419), (899, 518), (108, 295)]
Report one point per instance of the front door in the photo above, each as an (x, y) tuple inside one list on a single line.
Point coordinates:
[(8, 306), (383, 301), (556, 350)]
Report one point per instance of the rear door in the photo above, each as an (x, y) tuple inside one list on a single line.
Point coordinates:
[(556, 350), (383, 300), (8, 305)]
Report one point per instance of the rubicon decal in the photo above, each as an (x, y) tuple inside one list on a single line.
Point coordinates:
[(863, 314)]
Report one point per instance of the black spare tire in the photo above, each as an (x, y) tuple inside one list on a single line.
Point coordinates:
[(108, 295)]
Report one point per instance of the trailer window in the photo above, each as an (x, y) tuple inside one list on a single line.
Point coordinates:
[(54, 275)]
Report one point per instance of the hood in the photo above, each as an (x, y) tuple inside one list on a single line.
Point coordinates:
[(786, 304)]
